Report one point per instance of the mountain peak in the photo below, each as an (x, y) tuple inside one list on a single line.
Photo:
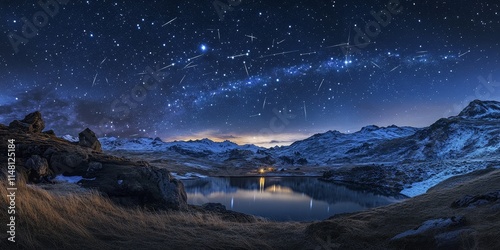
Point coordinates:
[(370, 128), (481, 109)]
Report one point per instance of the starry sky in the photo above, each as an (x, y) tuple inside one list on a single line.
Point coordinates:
[(263, 72)]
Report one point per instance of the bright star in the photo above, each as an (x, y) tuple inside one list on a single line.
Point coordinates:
[(203, 47)]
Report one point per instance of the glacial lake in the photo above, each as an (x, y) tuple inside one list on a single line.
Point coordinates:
[(284, 198)]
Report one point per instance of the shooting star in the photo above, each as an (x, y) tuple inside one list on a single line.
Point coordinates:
[(182, 79), (192, 66), (395, 68), (255, 115), (167, 23), (251, 37), (218, 34), (168, 66), (463, 54), (281, 41), (103, 61), (376, 65), (309, 53), (187, 65), (240, 55), (246, 69), (305, 111), (107, 80), (189, 59), (338, 45), (281, 53), (321, 84), (264, 103), (422, 52), (95, 77)]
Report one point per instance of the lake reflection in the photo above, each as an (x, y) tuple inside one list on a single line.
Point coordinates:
[(283, 198)]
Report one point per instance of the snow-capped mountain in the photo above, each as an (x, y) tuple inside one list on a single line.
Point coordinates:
[(481, 109), (473, 134), (201, 147), (334, 147), (401, 158)]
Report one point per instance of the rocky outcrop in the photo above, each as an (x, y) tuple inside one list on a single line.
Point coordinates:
[(32, 123), (477, 200), (37, 168), (442, 233), (87, 138), (383, 178), (42, 156), (137, 184), (432, 226)]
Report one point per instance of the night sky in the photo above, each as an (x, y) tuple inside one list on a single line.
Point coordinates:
[(261, 71)]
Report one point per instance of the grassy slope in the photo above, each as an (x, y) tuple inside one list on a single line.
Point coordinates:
[(89, 221), (374, 228), (49, 220)]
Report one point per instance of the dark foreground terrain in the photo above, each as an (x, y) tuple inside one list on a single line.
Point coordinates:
[(123, 204)]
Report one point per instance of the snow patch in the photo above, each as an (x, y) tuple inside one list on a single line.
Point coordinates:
[(70, 138), (419, 188), (71, 179), (187, 176)]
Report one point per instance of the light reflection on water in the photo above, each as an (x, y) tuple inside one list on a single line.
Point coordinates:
[(283, 198)]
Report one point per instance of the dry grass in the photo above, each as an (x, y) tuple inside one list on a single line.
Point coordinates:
[(86, 220), (48, 220)]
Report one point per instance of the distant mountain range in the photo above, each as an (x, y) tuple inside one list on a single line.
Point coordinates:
[(473, 134), (408, 158)]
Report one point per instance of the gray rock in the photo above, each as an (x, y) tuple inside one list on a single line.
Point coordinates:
[(67, 163), (87, 138), (432, 225), (94, 166), (37, 167)]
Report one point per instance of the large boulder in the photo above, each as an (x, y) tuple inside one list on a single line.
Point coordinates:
[(64, 162), (442, 233), (32, 123), (87, 138), (37, 168), (132, 185)]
